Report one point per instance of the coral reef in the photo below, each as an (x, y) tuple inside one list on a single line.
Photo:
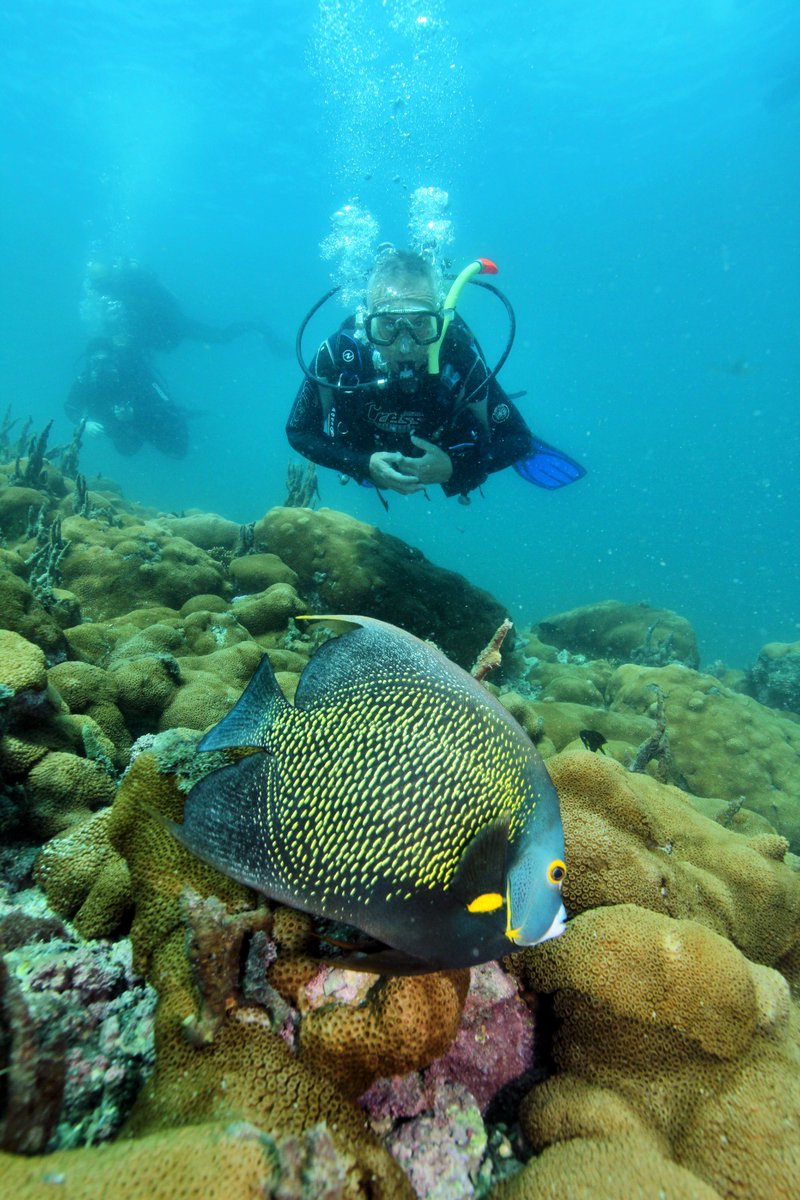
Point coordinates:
[(722, 744), (165, 1031), (774, 678), (673, 1024), (349, 567), (77, 1028), (623, 633)]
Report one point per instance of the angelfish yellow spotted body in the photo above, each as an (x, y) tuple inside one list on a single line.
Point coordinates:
[(396, 795)]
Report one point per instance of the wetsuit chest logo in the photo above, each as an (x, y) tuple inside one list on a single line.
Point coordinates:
[(394, 421)]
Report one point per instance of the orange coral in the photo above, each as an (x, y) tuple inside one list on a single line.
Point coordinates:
[(402, 1024)]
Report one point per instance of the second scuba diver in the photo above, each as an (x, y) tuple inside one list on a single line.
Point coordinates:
[(401, 396)]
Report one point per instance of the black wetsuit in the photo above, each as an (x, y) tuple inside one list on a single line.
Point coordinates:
[(472, 420), (118, 389), (141, 310)]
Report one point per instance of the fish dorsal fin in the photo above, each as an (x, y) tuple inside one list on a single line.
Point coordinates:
[(479, 881), (363, 652), (367, 656), (250, 720)]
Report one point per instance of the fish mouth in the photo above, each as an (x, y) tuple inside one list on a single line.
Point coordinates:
[(557, 926), (555, 929)]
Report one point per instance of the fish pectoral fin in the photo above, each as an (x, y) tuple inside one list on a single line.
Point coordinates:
[(480, 875), (252, 716), (385, 961)]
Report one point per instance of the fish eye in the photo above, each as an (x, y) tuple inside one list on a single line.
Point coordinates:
[(556, 872)]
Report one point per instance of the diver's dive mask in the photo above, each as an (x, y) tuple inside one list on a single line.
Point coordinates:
[(422, 325)]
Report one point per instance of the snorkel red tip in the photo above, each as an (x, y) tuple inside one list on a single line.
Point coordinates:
[(488, 267)]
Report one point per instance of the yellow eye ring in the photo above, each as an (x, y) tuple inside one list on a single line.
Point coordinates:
[(556, 872)]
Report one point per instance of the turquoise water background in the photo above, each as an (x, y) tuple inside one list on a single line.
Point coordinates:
[(632, 166)]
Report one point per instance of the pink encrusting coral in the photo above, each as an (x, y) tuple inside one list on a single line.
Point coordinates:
[(78, 1031), (433, 1119), (494, 1046)]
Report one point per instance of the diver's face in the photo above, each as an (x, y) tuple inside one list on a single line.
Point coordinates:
[(416, 300)]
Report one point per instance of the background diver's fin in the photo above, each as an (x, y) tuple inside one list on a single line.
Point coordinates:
[(547, 467)]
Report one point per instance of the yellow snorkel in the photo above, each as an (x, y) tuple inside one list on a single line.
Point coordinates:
[(480, 266)]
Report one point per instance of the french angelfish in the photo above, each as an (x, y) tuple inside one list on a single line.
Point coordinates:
[(396, 795)]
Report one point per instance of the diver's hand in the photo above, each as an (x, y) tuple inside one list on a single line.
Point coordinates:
[(385, 471), (434, 465), (94, 428)]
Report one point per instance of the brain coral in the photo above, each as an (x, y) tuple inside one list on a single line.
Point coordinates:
[(668, 1038)]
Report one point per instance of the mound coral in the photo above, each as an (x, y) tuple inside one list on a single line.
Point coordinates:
[(357, 1032), (723, 744), (622, 633), (669, 1036), (22, 671), (112, 570), (22, 612), (663, 1013), (350, 567), (265, 1085), (775, 676)]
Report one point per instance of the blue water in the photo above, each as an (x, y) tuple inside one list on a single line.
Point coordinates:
[(631, 166)]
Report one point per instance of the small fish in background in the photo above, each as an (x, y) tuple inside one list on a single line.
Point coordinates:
[(738, 367), (396, 795), (593, 740)]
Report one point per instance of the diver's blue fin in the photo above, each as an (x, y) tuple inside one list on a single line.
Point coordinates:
[(547, 467)]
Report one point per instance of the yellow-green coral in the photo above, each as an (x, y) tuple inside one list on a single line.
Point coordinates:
[(348, 566), (264, 1083), (724, 744), (630, 839), (270, 609), (256, 572), (668, 1036), (22, 664), (86, 879), (112, 570), (62, 790), (628, 632)]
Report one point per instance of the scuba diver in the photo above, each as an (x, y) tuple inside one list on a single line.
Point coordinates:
[(117, 393), (401, 396), (131, 306)]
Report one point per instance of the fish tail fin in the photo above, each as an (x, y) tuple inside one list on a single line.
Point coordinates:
[(250, 720), (224, 820)]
